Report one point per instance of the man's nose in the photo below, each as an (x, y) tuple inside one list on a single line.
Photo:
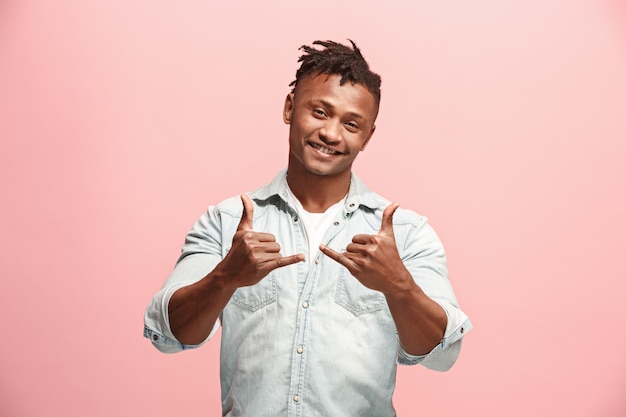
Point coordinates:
[(331, 132)]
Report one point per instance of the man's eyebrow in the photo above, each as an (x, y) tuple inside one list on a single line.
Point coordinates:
[(331, 106)]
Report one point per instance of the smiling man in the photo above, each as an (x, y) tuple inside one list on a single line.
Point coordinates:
[(321, 286)]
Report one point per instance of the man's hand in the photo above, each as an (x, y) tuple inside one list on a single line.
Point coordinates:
[(194, 309), (374, 259), (253, 255), (375, 262)]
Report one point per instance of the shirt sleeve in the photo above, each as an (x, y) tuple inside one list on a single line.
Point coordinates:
[(425, 258), (443, 356), (201, 252)]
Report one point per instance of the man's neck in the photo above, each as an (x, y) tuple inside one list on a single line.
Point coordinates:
[(317, 193)]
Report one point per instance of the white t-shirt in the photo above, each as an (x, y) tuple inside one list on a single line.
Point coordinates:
[(316, 224)]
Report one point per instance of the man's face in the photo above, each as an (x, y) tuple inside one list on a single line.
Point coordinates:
[(329, 124)]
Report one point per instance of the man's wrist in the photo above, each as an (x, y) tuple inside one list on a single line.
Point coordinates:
[(219, 281), (402, 287)]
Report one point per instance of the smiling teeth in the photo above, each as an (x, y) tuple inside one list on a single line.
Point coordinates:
[(324, 149)]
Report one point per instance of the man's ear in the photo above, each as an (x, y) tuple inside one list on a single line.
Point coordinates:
[(368, 138), (288, 109)]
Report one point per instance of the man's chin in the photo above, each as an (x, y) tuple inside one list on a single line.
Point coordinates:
[(325, 172)]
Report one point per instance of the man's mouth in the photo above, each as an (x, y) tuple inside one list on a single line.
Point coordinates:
[(324, 149)]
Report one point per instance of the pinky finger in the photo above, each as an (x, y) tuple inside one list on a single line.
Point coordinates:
[(338, 257), (285, 261)]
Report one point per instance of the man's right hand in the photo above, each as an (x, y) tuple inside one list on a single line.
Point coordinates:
[(253, 255), (194, 309)]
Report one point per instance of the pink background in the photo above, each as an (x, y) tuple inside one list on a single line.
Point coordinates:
[(502, 121)]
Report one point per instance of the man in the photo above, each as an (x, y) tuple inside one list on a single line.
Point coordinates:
[(321, 286)]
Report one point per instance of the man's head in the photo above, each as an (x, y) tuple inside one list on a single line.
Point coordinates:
[(331, 111), (338, 59)]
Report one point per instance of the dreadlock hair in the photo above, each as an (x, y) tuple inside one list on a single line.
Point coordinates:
[(337, 59)]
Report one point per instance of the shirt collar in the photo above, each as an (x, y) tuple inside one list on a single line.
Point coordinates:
[(358, 195)]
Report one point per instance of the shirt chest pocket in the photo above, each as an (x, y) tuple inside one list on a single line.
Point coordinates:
[(355, 297), (257, 296)]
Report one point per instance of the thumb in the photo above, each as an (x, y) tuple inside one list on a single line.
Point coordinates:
[(386, 225), (248, 212)]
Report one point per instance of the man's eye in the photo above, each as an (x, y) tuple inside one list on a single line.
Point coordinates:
[(352, 126), (320, 113)]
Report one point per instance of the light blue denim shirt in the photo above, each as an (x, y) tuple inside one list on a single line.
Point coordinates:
[(309, 339)]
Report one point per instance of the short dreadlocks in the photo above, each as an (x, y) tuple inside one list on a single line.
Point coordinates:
[(338, 59)]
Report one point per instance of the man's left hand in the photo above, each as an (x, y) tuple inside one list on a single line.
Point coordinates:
[(374, 259)]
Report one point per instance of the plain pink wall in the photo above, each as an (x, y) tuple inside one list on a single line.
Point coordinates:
[(502, 121)]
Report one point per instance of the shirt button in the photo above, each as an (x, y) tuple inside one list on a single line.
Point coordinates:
[(317, 260), (300, 350), (351, 204), (155, 337), (305, 304), (462, 329), (336, 223), (296, 398), (295, 219)]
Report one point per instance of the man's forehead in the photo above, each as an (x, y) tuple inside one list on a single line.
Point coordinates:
[(323, 81)]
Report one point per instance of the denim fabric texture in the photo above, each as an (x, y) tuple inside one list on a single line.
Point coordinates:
[(309, 339)]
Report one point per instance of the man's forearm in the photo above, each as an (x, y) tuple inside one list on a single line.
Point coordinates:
[(420, 321), (194, 309)]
